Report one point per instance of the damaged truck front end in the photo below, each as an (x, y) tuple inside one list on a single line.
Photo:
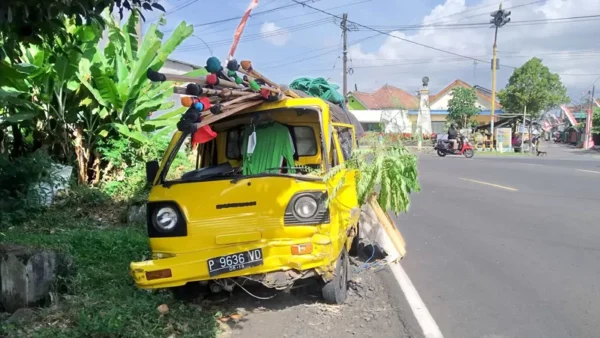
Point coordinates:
[(256, 207)]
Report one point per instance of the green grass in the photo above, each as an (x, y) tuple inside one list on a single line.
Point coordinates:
[(97, 297)]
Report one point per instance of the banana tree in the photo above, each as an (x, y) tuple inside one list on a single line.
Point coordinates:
[(116, 77)]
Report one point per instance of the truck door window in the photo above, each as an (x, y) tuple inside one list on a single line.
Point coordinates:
[(345, 138), (306, 143)]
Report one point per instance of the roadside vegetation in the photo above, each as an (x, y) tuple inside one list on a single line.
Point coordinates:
[(66, 102)]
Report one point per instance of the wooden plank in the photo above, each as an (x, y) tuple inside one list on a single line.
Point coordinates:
[(388, 225)]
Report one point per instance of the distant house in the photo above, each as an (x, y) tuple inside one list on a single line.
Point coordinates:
[(392, 98)]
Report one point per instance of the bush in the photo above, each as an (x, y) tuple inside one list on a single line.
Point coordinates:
[(18, 181), (124, 178)]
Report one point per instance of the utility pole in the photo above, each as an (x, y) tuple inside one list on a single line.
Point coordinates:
[(523, 133), (588, 122), (345, 55), (499, 19)]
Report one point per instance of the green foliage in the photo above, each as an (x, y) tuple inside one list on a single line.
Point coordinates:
[(116, 78), (535, 87), (125, 175), (18, 180), (100, 299), (69, 95), (596, 120), (462, 106), (35, 22), (390, 169)]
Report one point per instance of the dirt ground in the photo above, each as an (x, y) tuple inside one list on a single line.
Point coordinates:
[(370, 311)]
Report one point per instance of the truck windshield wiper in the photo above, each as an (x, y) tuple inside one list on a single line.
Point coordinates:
[(304, 170), (297, 177)]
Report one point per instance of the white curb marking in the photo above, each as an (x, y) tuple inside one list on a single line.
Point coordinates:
[(426, 321), (588, 171)]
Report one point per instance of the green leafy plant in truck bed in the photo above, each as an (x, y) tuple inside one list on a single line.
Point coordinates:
[(389, 170)]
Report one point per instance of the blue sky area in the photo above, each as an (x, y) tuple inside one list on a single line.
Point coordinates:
[(296, 41)]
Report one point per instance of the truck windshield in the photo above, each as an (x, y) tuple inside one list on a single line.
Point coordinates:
[(272, 149)]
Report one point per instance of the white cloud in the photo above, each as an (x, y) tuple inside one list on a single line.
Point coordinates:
[(274, 34), (561, 46)]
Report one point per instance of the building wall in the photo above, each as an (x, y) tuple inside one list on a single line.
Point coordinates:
[(173, 67), (442, 102), (353, 104)]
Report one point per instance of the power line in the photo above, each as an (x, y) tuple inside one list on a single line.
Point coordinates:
[(463, 12), (253, 37), (302, 59), (512, 7), (255, 14), (394, 36), (180, 7), (287, 17), (486, 24)]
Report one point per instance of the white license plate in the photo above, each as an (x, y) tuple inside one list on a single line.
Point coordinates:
[(234, 262)]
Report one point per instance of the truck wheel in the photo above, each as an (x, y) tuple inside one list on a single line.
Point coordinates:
[(336, 290), (354, 249), (189, 291)]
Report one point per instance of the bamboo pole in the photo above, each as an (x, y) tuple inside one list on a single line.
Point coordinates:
[(388, 225)]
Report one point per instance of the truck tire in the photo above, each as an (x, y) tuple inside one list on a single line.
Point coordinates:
[(336, 290)]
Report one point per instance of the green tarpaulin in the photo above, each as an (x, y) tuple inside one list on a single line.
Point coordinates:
[(318, 87)]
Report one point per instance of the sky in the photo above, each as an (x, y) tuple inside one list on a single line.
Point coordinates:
[(444, 40)]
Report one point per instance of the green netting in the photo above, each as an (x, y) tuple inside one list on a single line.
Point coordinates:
[(318, 87), (272, 146)]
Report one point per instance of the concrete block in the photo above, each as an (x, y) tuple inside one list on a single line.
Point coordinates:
[(26, 276)]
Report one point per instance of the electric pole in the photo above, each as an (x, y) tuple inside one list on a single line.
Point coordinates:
[(345, 55), (499, 19), (588, 122)]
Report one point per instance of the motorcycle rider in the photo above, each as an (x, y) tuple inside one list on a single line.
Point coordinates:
[(452, 134)]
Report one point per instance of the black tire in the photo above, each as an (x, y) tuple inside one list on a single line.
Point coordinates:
[(441, 153), (354, 249), (189, 292), (336, 290), (469, 153)]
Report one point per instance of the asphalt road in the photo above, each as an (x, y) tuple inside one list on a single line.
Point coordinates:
[(507, 247)]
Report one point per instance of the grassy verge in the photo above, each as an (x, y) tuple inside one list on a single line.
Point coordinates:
[(97, 298)]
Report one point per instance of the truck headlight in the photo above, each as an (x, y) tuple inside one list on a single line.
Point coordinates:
[(165, 219), (306, 207)]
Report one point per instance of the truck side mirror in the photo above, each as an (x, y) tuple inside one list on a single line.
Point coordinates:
[(151, 171)]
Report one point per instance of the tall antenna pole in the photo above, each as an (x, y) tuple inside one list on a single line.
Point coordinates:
[(345, 56)]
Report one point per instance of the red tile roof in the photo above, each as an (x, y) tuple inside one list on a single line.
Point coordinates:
[(463, 84), (387, 97), (390, 97)]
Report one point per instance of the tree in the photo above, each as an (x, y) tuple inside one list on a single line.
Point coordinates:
[(34, 21), (461, 107), (69, 95), (596, 120), (534, 87)]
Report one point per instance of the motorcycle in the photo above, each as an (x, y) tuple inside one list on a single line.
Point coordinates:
[(443, 147)]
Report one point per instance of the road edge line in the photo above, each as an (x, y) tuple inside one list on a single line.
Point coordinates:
[(588, 171), (426, 321)]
